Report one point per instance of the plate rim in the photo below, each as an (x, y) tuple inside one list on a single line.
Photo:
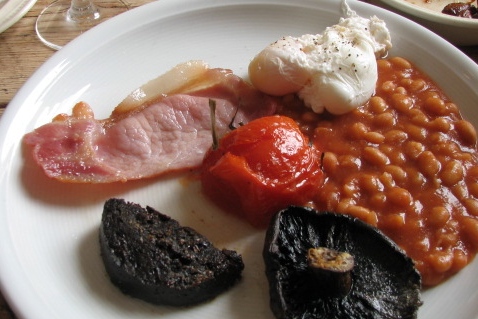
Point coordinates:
[(32, 87)]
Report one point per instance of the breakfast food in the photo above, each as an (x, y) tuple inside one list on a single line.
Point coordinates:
[(405, 162), (464, 9), (334, 71), (261, 167), (150, 256), (461, 9), (395, 151), (150, 133), (304, 249)]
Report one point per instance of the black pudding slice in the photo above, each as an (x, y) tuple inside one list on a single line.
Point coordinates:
[(148, 255)]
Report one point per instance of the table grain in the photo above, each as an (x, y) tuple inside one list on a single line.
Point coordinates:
[(21, 53)]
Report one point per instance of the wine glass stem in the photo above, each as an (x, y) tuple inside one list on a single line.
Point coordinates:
[(83, 10)]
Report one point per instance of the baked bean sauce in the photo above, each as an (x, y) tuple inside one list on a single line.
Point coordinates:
[(405, 162)]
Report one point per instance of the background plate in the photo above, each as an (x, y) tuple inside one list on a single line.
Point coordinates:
[(49, 251), (13, 10)]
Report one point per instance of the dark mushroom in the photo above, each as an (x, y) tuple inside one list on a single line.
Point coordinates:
[(325, 265)]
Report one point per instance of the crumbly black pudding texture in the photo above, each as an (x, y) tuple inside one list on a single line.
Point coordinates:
[(148, 255), (385, 283)]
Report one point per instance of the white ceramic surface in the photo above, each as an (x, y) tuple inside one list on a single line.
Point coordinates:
[(13, 10), (50, 267), (459, 31)]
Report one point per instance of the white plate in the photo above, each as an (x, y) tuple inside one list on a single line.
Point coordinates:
[(459, 31), (49, 252), (13, 10)]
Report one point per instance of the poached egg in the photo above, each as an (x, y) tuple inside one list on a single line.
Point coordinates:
[(334, 71)]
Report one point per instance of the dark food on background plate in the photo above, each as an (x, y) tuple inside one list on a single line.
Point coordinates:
[(150, 256), (461, 9), (384, 283)]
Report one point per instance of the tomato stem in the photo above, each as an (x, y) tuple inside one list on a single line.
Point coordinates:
[(212, 107)]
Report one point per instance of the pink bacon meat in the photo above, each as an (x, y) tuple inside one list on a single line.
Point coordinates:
[(152, 132)]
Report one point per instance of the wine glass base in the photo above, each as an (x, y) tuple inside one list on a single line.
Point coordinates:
[(57, 25)]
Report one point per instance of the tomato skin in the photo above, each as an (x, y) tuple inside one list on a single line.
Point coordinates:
[(260, 168)]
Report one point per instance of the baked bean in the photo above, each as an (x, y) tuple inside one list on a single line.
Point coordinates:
[(435, 106), (469, 227), (378, 201), (329, 194), (398, 174), (439, 216), (349, 162), (415, 178), (395, 136), (309, 117), (471, 205), (400, 63), (447, 238), (386, 119), (423, 244), (447, 148), (350, 188), (417, 85), (466, 131), (452, 108), (370, 183), (405, 161), (401, 90), (399, 196), (472, 174), (396, 157), (419, 118), (460, 260), (406, 82), (322, 131), (388, 86), (413, 149), (415, 132), (330, 163), (441, 261), (377, 105), (428, 164), (343, 204), (358, 130), (452, 173), (459, 190), (401, 102), (374, 156), (362, 213), (463, 156), (374, 137), (440, 124), (384, 64), (429, 94), (393, 221), (387, 180), (473, 189), (436, 138)]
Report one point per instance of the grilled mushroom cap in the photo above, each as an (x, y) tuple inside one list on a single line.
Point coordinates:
[(383, 280)]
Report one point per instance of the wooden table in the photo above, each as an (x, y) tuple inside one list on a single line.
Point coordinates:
[(21, 53)]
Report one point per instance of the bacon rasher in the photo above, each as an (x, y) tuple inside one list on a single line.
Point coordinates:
[(163, 126)]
